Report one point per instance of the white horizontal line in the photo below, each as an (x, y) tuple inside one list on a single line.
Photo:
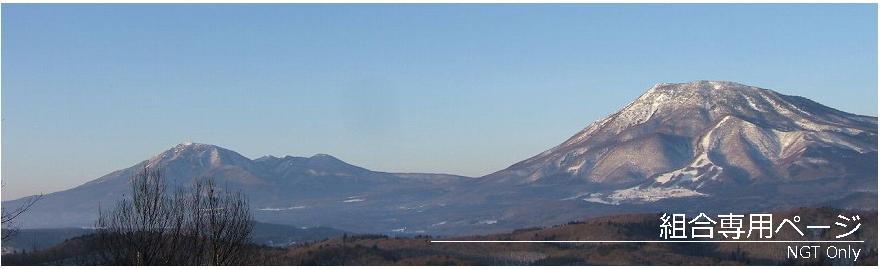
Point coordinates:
[(819, 227), (646, 241)]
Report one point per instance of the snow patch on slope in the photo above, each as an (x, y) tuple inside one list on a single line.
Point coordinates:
[(281, 208), (642, 195), (652, 194)]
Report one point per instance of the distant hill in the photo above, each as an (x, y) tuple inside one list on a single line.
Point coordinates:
[(274, 235), (385, 250), (381, 250), (278, 235), (39, 239)]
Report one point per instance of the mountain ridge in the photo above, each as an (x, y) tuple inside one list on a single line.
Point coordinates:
[(720, 144)]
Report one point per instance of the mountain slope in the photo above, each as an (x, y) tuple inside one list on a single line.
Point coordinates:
[(710, 133), (697, 146)]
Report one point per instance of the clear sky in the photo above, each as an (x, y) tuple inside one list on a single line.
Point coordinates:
[(462, 89)]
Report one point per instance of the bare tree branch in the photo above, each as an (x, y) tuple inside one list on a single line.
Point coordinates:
[(9, 215)]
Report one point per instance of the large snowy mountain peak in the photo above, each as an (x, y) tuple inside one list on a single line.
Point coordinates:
[(687, 133)]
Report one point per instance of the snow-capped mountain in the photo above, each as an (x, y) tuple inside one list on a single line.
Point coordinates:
[(692, 139), (720, 145)]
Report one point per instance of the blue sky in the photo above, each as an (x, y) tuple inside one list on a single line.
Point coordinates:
[(463, 89)]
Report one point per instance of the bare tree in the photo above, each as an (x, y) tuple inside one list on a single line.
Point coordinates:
[(202, 225), (10, 215), (135, 231), (222, 220)]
